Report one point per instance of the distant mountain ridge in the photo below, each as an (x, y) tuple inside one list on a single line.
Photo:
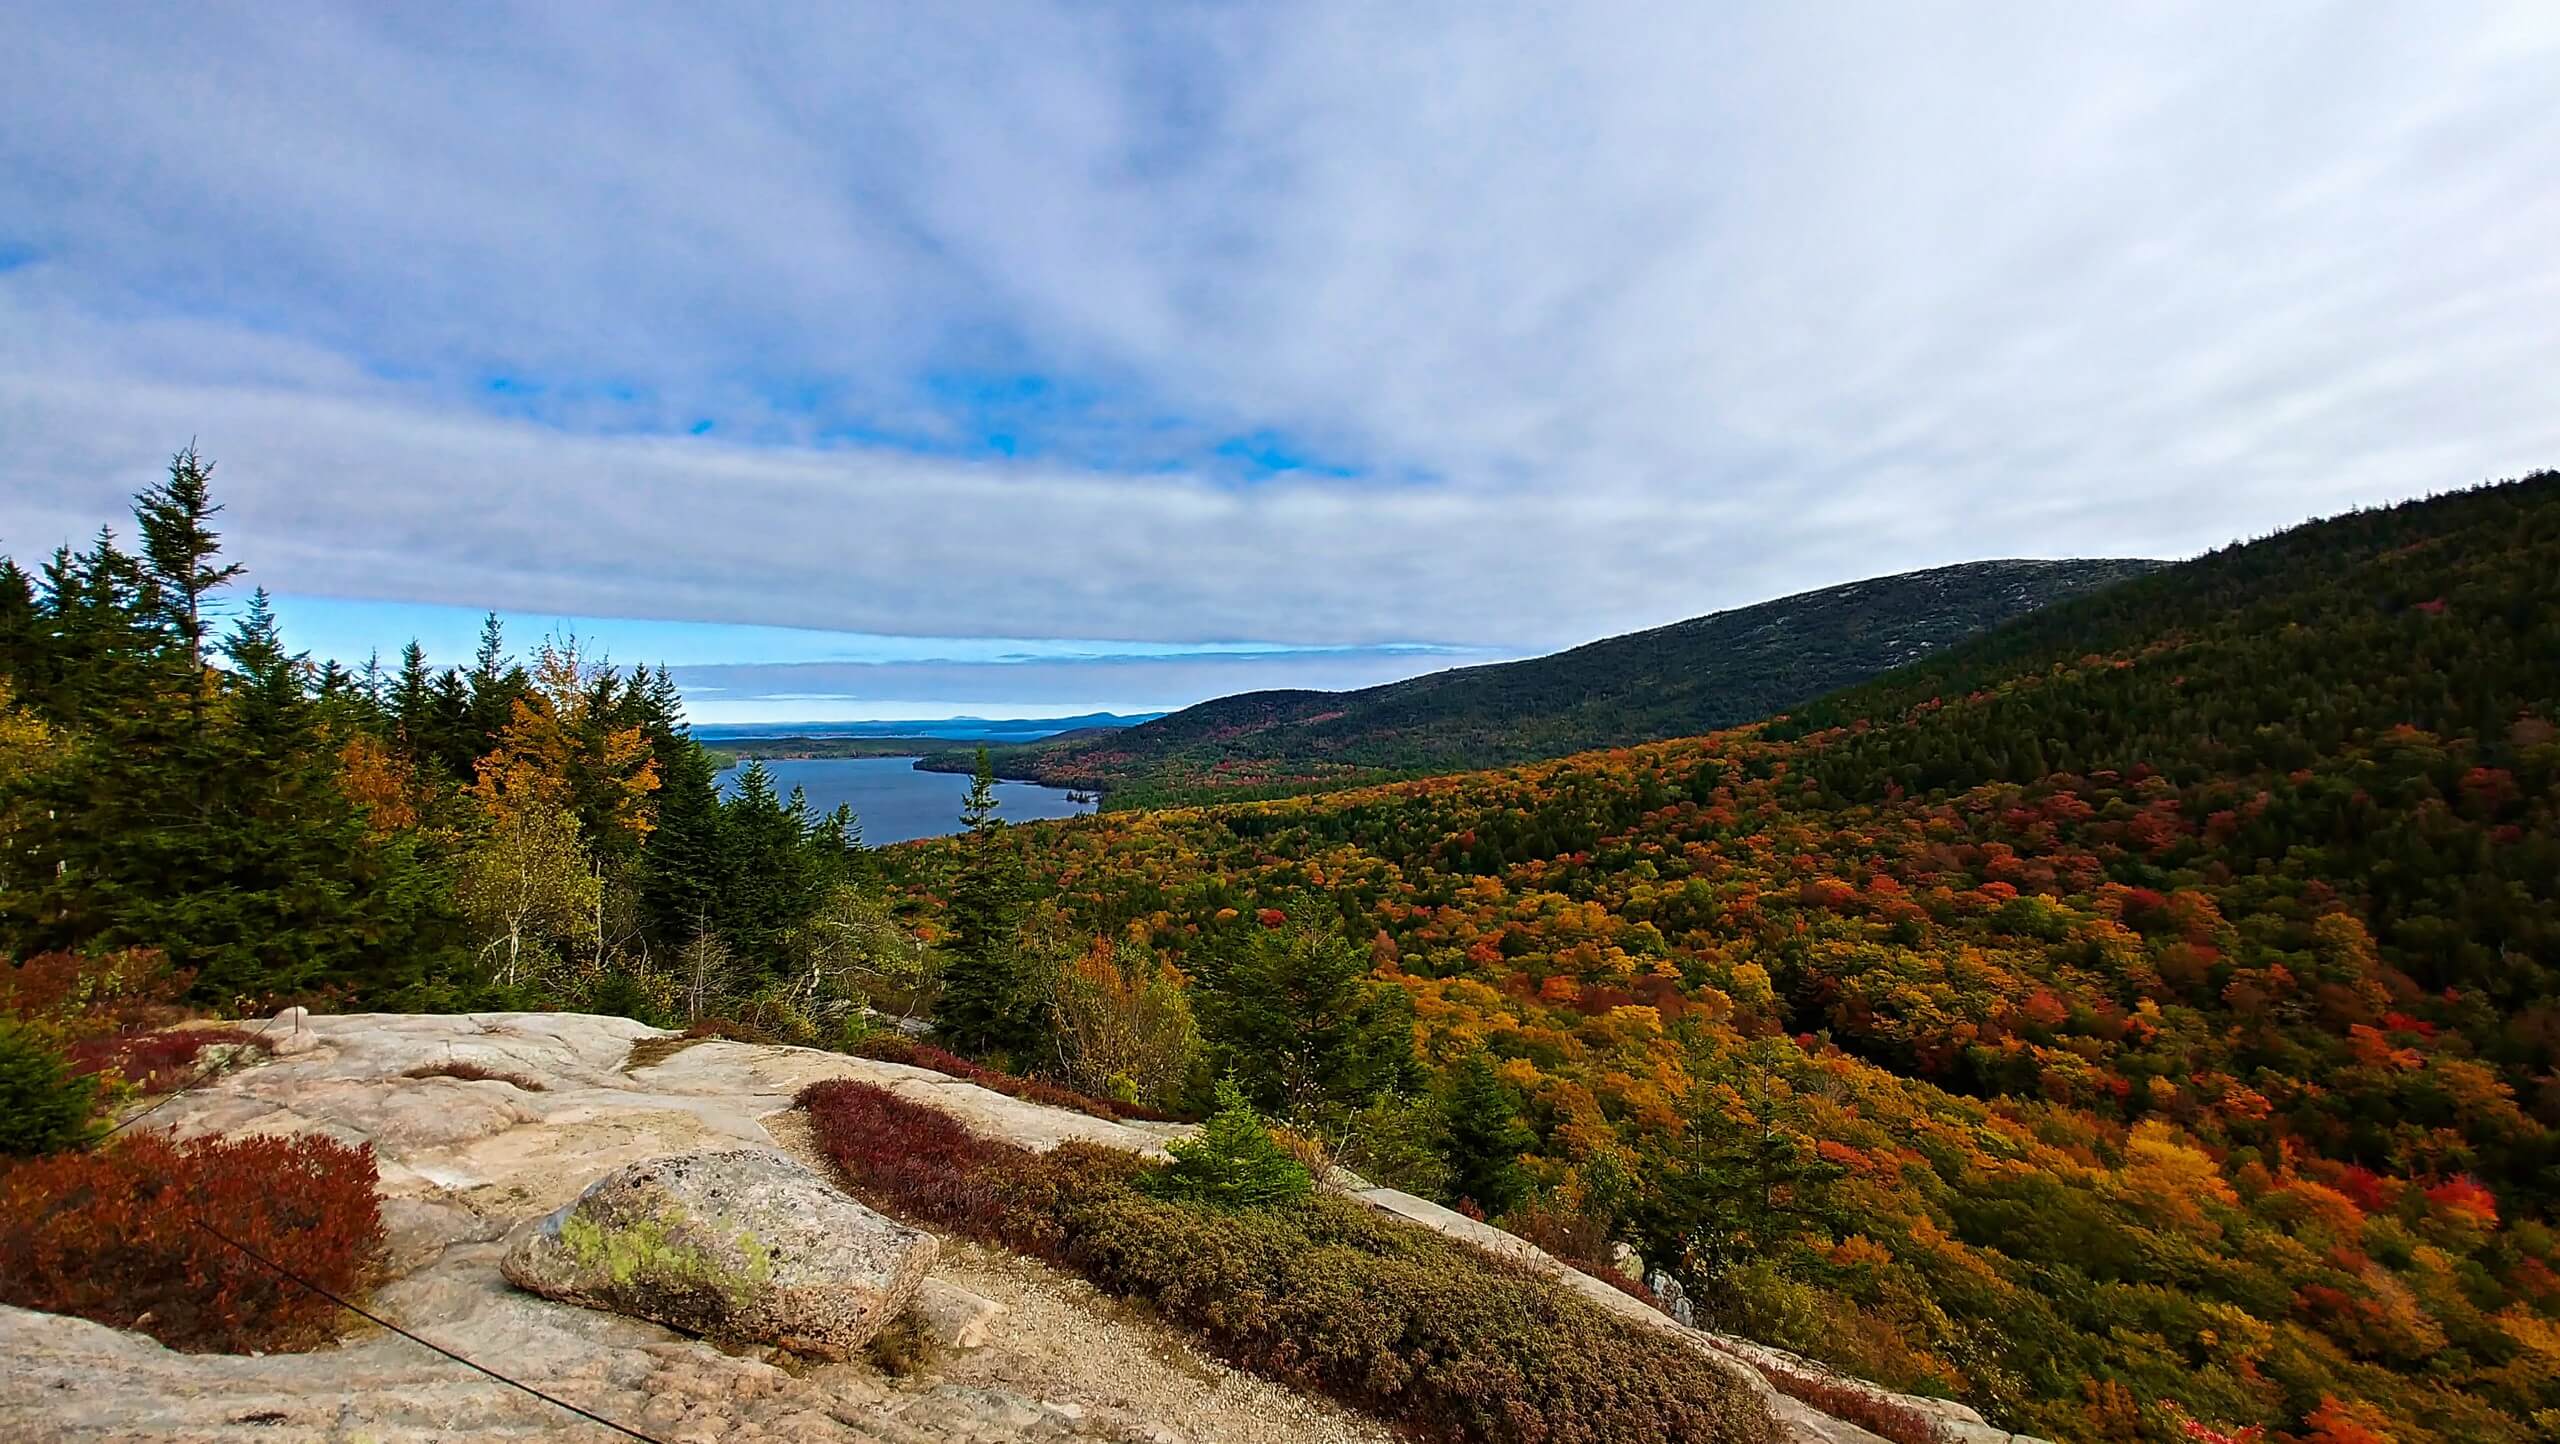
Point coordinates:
[(1672, 681)]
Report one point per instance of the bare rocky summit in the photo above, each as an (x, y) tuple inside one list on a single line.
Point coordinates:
[(592, 1110)]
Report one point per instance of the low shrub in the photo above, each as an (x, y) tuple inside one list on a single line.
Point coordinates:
[(1319, 1292), (932, 1168), (158, 1062), (470, 1072), (112, 1235), (734, 1030), (650, 1052), (46, 1105), (905, 1348), (892, 1048)]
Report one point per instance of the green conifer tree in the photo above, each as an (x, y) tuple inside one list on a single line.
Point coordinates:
[(182, 550), (1294, 1015), (1233, 1162), (978, 808), (1482, 1136)]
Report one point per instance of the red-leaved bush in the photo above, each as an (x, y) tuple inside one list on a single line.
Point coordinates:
[(78, 995), (155, 1062), (938, 1172), (112, 1235), (1578, 1241), (889, 1049)]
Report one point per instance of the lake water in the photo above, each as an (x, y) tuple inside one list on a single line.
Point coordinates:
[(896, 802)]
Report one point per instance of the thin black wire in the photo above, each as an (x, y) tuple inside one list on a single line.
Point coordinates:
[(374, 1318), (367, 1315), (203, 1072)]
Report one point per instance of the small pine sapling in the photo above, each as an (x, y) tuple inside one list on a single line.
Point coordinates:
[(1233, 1162)]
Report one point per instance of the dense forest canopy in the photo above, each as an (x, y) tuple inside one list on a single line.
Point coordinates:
[(2147, 1006), (1676, 681)]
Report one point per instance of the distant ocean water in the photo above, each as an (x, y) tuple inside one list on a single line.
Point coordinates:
[(896, 802)]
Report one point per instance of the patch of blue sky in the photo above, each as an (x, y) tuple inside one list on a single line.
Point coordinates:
[(350, 629), (987, 414), (1265, 454)]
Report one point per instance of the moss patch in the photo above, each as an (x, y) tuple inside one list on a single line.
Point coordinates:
[(651, 1252)]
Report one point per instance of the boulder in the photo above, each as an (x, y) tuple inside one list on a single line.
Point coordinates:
[(954, 1318), (745, 1246), (289, 1033)]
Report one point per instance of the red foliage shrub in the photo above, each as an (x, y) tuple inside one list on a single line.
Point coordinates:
[(113, 1235), (923, 1159), (76, 995), (934, 1169), (888, 1049), (155, 1062), (1577, 1240)]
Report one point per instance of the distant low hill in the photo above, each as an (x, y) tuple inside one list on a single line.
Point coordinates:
[(1674, 681), (728, 742)]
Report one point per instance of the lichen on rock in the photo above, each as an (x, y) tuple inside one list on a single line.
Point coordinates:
[(742, 1246)]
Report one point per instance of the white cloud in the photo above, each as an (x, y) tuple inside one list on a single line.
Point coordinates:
[(1630, 313)]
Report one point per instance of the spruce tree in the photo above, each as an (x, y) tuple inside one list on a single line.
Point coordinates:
[(985, 1008), (685, 866), (411, 700), (1233, 1162), (493, 686), (1294, 1015), (182, 550), (1482, 1137), (22, 636), (769, 885), (978, 809)]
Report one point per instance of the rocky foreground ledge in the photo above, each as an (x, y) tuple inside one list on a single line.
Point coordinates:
[(1029, 1355)]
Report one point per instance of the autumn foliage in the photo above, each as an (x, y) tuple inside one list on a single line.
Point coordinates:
[(158, 1062), (2153, 1003), (121, 1235)]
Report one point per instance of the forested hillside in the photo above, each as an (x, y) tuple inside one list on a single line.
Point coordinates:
[(1675, 681), (2140, 1015)]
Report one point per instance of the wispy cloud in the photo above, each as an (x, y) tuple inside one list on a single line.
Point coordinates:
[(731, 672), (1318, 325)]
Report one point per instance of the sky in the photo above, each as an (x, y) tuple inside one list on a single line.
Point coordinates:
[(904, 360)]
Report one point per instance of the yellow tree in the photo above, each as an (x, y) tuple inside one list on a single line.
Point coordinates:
[(561, 749), (1124, 1023), (527, 885), (27, 747), (563, 789)]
